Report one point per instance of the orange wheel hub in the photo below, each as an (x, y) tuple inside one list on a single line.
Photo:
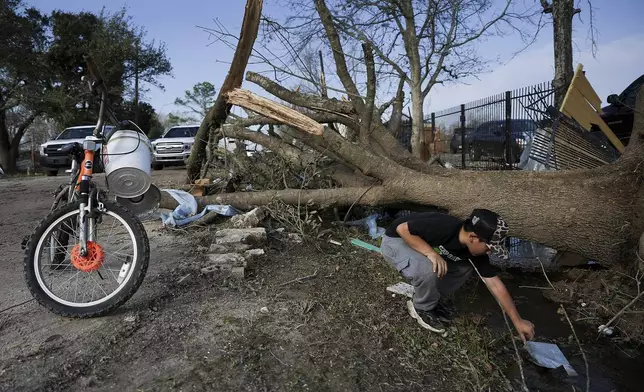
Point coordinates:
[(92, 261)]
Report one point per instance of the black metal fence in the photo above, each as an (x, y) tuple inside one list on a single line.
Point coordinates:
[(491, 133)]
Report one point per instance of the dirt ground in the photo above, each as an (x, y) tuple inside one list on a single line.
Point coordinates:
[(339, 331)]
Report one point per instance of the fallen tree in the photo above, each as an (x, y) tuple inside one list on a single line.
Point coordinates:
[(596, 213)]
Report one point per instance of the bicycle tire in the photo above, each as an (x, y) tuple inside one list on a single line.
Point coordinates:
[(124, 293)]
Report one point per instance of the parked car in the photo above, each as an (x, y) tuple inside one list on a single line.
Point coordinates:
[(455, 143), (489, 139), (52, 155), (174, 147), (619, 114)]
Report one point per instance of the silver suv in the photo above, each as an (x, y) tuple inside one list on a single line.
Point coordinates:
[(174, 147)]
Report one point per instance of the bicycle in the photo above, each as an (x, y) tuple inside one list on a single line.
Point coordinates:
[(72, 236)]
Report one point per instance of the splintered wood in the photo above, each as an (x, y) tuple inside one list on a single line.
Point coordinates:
[(274, 110)]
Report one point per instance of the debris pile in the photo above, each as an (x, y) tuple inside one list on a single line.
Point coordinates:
[(231, 250)]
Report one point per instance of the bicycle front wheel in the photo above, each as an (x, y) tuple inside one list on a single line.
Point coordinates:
[(109, 274)]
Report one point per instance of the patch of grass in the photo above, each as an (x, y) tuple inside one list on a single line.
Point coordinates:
[(463, 356)]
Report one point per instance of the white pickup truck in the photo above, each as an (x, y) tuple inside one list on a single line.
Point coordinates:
[(174, 147), (51, 157)]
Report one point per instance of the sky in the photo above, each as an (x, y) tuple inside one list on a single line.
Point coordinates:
[(619, 59)]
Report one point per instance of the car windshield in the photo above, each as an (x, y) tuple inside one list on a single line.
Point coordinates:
[(182, 132), (82, 133)]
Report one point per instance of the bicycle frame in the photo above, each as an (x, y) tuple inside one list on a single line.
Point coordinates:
[(81, 183)]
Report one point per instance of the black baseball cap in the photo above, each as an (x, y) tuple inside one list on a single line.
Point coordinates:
[(491, 229)]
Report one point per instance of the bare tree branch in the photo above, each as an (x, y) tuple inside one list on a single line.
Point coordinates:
[(305, 100), (365, 126)]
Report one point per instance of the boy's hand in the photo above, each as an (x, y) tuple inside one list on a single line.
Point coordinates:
[(440, 265), (525, 329)]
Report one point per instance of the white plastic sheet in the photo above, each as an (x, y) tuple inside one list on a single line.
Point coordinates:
[(549, 355), (186, 211)]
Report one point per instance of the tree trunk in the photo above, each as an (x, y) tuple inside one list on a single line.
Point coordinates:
[(218, 113), (562, 13), (395, 121), (590, 212), (417, 129), (10, 147), (8, 160), (8, 165)]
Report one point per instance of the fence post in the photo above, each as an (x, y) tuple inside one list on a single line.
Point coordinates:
[(508, 124), (462, 136)]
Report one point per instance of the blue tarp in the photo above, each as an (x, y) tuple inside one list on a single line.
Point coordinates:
[(186, 211)]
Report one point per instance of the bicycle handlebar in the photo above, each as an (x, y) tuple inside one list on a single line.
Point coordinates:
[(99, 83)]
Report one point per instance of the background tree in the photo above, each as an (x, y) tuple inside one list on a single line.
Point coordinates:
[(148, 120), (42, 64), (416, 44), (22, 75), (563, 12), (148, 61), (199, 100), (120, 49)]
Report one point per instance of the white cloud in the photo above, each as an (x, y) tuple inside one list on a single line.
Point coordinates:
[(618, 63)]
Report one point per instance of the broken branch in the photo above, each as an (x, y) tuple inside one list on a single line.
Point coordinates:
[(274, 110), (218, 113)]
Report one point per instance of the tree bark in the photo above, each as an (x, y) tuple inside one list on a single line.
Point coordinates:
[(410, 40), (338, 111), (367, 116), (562, 13), (417, 131), (218, 113), (395, 121)]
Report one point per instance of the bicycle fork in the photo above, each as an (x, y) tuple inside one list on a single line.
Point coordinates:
[(84, 222), (87, 197)]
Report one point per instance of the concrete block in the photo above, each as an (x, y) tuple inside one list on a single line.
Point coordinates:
[(252, 236), (237, 272), (216, 268), (228, 248), (233, 259), (254, 253), (249, 219)]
